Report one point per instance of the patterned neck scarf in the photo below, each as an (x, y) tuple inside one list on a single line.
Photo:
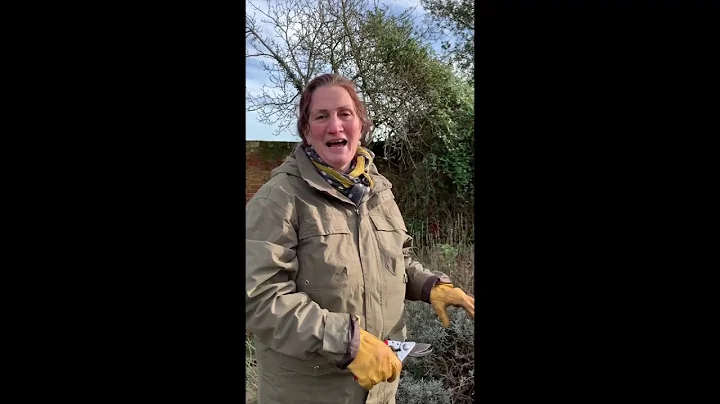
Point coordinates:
[(354, 184)]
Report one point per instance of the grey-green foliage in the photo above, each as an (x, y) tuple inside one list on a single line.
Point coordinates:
[(251, 374), (453, 358), (421, 391), (424, 326)]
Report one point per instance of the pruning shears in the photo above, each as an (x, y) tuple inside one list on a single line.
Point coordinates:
[(407, 349)]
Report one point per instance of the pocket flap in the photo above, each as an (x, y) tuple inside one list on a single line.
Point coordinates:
[(384, 223), (318, 366), (322, 227)]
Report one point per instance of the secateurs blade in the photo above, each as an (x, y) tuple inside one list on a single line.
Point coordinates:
[(408, 348), (405, 349)]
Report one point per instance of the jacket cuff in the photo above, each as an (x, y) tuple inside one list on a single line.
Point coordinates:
[(353, 343), (429, 284), (335, 339)]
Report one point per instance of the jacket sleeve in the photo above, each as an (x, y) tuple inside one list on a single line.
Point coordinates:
[(285, 320), (420, 280)]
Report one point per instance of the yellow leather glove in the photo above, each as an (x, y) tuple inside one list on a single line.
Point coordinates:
[(375, 362), (443, 295)]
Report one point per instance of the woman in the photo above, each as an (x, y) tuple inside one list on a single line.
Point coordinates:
[(328, 263)]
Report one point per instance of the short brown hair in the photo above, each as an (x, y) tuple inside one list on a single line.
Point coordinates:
[(303, 124)]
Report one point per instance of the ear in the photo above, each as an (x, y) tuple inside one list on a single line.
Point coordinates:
[(366, 135)]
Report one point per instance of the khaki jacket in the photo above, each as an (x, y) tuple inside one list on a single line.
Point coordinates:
[(314, 260)]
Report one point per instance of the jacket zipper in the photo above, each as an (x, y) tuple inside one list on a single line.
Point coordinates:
[(362, 272)]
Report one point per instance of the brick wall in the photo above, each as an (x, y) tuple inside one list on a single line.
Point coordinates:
[(260, 159)]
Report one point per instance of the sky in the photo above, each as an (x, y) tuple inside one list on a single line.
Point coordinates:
[(255, 79)]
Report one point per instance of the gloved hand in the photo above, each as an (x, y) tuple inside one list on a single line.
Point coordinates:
[(443, 295), (375, 362)]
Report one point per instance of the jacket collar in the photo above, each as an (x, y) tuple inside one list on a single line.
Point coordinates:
[(299, 165)]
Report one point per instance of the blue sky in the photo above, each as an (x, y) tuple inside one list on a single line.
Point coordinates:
[(255, 79)]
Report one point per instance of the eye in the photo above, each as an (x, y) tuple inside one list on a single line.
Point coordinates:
[(345, 113), (320, 117)]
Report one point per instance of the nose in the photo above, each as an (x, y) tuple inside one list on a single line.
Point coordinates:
[(334, 124)]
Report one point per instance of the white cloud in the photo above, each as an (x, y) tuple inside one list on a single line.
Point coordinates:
[(408, 4), (253, 84)]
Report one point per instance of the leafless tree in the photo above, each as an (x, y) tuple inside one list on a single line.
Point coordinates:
[(296, 40)]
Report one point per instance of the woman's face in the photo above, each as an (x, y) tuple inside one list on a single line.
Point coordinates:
[(334, 127)]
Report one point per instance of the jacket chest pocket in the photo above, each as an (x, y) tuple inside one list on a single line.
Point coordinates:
[(390, 234), (323, 248)]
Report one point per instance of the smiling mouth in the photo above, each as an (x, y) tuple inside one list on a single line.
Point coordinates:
[(336, 143)]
